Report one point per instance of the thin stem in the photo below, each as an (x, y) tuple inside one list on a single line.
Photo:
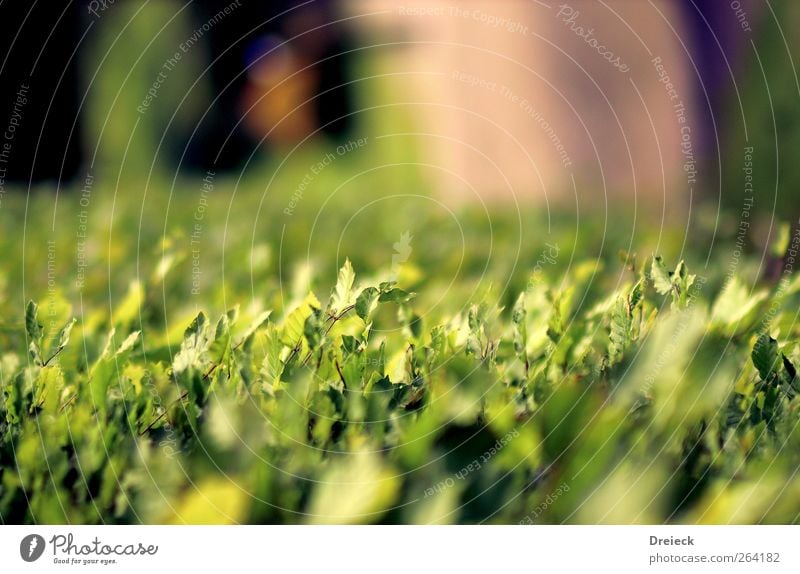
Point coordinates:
[(53, 356), (184, 394)]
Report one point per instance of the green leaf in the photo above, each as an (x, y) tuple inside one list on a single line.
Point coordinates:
[(660, 276), (34, 354), (378, 362), (352, 371), (681, 273), (127, 344), (474, 346), (791, 371), (220, 347), (350, 345), (736, 310), (294, 323), (780, 243), (622, 324), (106, 369), (789, 381), (412, 323), (520, 328), (50, 383), (555, 326), (395, 295), (437, 346), (195, 344), (766, 357), (63, 336), (366, 302), (103, 373), (110, 350), (32, 326), (13, 399), (636, 296), (254, 326), (272, 366), (314, 328), (518, 312), (34, 331), (342, 295), (619, 335), (682, 282)]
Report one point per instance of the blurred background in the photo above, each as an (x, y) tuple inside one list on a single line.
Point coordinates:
[(518, 97), (302, 123)]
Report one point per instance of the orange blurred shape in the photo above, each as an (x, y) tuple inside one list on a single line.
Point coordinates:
[(277, 100)]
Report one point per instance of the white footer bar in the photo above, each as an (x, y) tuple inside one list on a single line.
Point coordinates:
[(400, 549)]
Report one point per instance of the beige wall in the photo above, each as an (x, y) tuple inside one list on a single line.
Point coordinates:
[(503, 84)]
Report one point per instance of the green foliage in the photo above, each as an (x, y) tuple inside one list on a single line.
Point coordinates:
[(638, 392), (34, 331), (677, 283), (624, 326), (765, 356), (343, 292)]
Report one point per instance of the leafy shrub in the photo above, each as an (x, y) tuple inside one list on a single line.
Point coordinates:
[(653, 401)]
